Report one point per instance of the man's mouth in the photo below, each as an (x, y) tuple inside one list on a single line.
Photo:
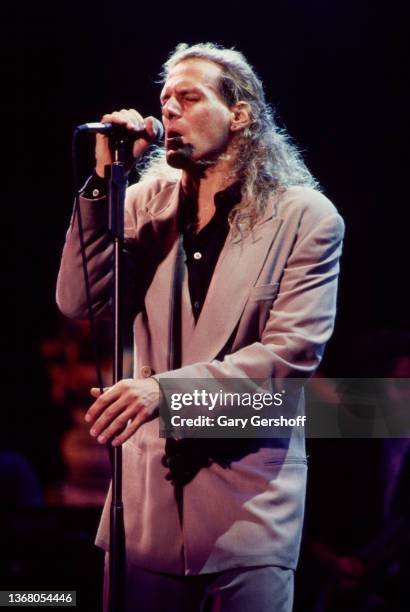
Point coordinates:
[(173, 140)]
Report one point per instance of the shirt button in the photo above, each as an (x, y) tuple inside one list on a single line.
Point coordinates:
[(196, 305), (146, 371), (96, 193), (197, 255)]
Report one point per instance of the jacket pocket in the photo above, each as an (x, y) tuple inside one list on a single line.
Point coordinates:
[(263, 292)]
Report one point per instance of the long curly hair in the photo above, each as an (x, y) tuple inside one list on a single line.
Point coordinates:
[(266, 159)]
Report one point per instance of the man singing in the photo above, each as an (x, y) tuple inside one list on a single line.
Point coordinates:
[(232, 265)]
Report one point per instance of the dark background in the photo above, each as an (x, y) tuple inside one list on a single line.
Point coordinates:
[(334, 71)]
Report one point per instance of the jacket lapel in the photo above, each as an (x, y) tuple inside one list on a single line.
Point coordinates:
[(167, 300), (236, 272), (162, 221)]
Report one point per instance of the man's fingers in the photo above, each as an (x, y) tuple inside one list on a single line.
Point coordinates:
[(131, 428), (151, 127), (127, 402), (96, 392), (128, 118), (105, 433), (135, 117), (108, 415), (103, 400)]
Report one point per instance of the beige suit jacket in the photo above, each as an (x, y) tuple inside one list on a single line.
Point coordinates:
[(269, 312)]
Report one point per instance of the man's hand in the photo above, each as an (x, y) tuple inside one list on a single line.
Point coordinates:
[(122, 409), (131, 120)]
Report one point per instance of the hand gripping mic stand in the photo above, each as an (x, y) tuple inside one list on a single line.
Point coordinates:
[(117, 186)]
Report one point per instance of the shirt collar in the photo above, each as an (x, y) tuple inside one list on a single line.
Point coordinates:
[(224, 201), (229, 197)]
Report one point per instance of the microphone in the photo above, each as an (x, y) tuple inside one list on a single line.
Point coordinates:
[(113, 129)]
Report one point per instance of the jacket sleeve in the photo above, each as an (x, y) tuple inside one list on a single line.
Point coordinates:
[(71, 294)]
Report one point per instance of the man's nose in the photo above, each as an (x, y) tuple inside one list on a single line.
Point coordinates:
[(171, 109)]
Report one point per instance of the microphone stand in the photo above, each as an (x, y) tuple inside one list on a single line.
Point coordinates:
[(117, 186), (115, 173)]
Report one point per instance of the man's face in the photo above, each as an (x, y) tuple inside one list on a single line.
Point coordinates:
[(196, 119)]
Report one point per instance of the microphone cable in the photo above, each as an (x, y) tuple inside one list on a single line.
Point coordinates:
[(78, 217)]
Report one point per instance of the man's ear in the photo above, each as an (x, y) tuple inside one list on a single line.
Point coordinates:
[(240, 116)]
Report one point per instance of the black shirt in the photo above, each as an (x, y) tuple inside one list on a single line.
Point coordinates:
[(202, 250)]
